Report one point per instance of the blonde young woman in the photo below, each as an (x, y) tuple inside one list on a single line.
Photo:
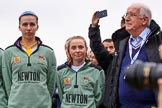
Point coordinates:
[(80, 83)]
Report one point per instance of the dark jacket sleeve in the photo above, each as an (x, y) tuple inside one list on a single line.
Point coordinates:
[(102, 55)]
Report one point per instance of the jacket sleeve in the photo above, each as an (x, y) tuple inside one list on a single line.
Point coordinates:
[(102, 55), (7, 72), (119, 35), (52, 72), (3, 98), (60, 85), (99, 88)]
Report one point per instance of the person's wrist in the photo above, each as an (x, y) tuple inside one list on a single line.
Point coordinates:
[(94, 25)]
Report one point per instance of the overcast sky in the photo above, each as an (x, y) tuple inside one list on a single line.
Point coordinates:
[(60, 19)]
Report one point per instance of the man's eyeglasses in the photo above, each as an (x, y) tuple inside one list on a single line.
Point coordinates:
[(130, 15)]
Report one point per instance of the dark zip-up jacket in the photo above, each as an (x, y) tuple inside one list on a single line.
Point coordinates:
[(120, 38)]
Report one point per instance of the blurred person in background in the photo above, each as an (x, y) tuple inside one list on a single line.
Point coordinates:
[(92, 58), (109, 45)]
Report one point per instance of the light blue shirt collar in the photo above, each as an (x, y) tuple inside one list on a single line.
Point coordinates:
[(144, 35)]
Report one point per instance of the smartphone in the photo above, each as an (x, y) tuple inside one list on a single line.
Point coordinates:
[(101, 14)]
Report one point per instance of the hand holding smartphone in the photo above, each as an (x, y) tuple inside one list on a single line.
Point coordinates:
[(101, 14)]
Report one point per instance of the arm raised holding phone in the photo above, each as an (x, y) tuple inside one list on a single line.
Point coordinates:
[(97, 15)]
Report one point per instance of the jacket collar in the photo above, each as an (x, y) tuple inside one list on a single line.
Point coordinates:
[(17, 42)]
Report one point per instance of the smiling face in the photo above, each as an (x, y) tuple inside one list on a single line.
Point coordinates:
[(28, 26), (135, 22), (77, 50)]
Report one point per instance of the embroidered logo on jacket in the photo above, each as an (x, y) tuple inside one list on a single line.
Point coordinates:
[(85, 81), (16, 59), (85, 78), (67, 81), (40, 57)]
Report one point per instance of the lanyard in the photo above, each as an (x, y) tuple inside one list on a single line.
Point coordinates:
[(130, 51), (148, 33)]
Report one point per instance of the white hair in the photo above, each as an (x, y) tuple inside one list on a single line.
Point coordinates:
[(144, 11)]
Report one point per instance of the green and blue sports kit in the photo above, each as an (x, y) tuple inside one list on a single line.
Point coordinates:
[(81, 89), (29, 80)]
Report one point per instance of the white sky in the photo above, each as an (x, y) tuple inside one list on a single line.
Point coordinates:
[(60, 19)]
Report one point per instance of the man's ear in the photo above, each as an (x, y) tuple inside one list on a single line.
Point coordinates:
[(146, 20)]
